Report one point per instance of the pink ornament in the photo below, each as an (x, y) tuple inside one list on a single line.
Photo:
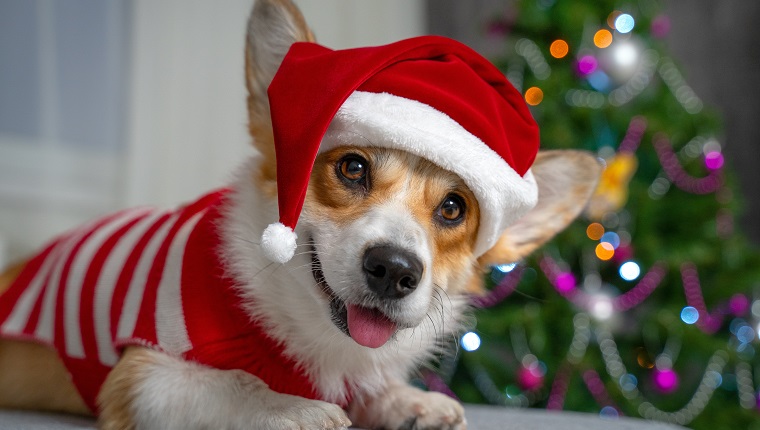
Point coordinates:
[(665, 380), (565, 282), (738, 304), (714, 160), (586, 65), (530, 378), (660, 26)]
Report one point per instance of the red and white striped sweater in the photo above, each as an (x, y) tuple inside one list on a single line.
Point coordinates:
[(143, 277)]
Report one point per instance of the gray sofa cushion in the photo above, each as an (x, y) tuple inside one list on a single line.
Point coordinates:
[(478, 418)]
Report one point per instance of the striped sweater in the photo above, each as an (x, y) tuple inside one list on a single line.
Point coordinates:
[(142, 277)]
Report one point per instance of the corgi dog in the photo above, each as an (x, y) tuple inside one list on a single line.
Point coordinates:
[(410, 169)]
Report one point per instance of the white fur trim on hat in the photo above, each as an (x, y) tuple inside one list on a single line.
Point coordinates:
[(278, 242), (389, 121)]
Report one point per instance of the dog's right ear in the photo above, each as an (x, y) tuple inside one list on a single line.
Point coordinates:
[(274, 25)]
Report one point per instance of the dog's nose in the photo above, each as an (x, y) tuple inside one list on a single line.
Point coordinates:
[(392, 272)]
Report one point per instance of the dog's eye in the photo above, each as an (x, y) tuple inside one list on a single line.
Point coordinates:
[(353, 168), (451, 211)]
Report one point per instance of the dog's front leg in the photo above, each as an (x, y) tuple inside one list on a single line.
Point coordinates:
[(403, 407), (151, 390)]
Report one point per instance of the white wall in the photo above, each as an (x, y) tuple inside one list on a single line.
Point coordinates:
[(178, 127), (187, 113)]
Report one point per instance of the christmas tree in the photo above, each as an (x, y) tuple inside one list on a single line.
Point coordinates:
[(648, 305)]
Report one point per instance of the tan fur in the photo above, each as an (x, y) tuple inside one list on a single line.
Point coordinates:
[(7, 278), (424, 185), (33, 377), (566, 180), (117, 393)]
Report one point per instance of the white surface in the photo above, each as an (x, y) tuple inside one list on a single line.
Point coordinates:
[(478, 418)]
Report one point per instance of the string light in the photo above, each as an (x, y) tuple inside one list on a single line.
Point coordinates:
[(744, 385), (677, 85), (586, 65), (536, 61), (602, 38), (689, 315), (559, 48), (624, 23), (630, 270), (584, 98), (595, 231), (612, 17), (534, 96), (704, 392), (640, 80), (612, 238), (604, 251), (678, 175), (470, 341), (516, 73), (601, 307)]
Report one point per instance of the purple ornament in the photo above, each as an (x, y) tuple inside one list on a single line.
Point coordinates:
[(586, 65), (660, 26), (738, 304), (565, 282), (665, 380), (714, 160), (530, 378)]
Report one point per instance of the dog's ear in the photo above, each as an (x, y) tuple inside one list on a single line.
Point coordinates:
[(274, 25), (566, 180)]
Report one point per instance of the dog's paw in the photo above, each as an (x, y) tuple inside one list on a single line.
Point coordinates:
[(408, 408), (284, 412)]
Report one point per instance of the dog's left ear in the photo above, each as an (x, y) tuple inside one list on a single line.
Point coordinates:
[(566, 180)]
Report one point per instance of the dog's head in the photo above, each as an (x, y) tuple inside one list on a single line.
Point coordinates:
[(391, 237)]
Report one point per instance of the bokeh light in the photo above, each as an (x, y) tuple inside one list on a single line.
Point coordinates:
[(612, 238), (714, 160), (609, 412), (470, 341), (630, 270), (587, 64), (666, 380), (605, 251), (505, 268), (625, 54), (689, 315), (599, 81), (534, 96), (559, 48), (612, 17), (565, 282), (595, 231), (601, 307), (602, 38), (624, 23)]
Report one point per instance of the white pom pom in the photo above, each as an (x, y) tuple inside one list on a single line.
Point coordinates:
[(278, 242)]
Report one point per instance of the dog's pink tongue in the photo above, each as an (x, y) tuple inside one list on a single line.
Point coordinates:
[(369, 327)]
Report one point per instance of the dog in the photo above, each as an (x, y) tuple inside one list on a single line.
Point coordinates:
[(226, 319)]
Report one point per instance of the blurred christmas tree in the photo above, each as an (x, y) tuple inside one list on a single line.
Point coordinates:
[(649, 304)]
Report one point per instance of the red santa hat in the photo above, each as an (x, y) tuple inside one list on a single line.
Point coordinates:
[(430, 96)]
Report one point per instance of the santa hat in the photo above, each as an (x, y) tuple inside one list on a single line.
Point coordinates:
[(430, 96)]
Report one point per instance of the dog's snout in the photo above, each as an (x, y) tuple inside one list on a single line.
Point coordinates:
[(392, 272)]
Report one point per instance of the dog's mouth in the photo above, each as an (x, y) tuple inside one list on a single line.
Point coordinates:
[(366, 326)]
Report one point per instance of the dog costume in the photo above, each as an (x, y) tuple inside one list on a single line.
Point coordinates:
[(156, 279)]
